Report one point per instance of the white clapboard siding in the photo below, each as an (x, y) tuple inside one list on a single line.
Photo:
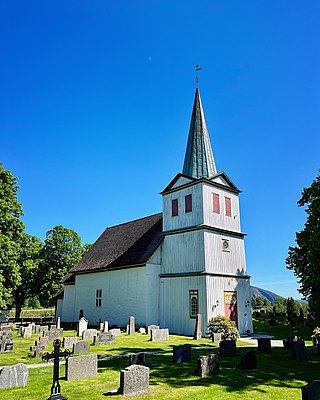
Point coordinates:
[(174, 301), (152, 294), (183, 252), (218, 260), (217, 286), (181, 181), (68, 311)]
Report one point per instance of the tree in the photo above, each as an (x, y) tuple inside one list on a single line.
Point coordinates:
[(293, 307), (280, 305), (304, 258), (61, 251), (29, 260), (11, 232)]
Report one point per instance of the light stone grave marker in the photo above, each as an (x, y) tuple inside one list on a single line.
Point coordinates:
[(81, 347), (82, 367), (152, 327), (69, 341), (82, 325), (103, 338), (198, 330), (207, 365), (115, 332), (132, 327), (105, 326), (13, 376), (134, 380), (89, 334), (159, 334)]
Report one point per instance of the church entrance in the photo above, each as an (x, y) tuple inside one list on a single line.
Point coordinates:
[(230, 306)]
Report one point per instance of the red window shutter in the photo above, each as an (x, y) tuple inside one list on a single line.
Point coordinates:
[(216, 203), (174, 207), (188, 203), (228, 206)]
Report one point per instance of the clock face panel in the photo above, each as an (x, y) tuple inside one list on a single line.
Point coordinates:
[(225, 245)]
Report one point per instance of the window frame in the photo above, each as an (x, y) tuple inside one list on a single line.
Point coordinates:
[(174, 207), (217, 202), (193, 294), (188, 203), (98, 297), (227, 206)]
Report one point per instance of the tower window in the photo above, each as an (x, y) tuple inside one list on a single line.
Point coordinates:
[(216, 203), (174, 207), (188, 203), (193, 303), (228, 206), (98, 297)]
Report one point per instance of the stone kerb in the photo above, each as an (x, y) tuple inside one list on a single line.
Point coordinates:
[(81, 367), (13, 376), (159, 334), (134, 380)]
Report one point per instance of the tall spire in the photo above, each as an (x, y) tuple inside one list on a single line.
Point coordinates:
[(199, 161)]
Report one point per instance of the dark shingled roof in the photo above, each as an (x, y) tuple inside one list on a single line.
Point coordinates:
[(122, 245)]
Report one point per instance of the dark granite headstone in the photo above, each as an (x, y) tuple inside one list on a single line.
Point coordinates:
[(287, 343), (134, 380), (137, 358), (182, 353), (298, 351), (207, 365), (311, 391), (227, 348), (82, 367), (81, 347), (248, 360), (13, 376), (264, 345)]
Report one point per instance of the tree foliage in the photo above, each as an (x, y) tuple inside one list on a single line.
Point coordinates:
[(304, 258), (61, 251)]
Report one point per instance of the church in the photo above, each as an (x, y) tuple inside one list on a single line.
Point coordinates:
[(166, 268)]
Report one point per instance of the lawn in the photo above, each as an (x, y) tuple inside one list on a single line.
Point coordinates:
[(277, 377)]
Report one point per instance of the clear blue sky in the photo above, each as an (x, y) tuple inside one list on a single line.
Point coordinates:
[(96, 99)]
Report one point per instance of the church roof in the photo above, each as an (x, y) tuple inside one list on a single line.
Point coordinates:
[(122, 245), (199, 161)]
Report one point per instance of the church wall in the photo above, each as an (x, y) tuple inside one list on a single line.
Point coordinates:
[(59, 304), (174, 303), (220, 220), (181, 181), (183, 252), (217, 286), (152, 294), (123, 294), (68, 306), (183, 219), (220, 261)]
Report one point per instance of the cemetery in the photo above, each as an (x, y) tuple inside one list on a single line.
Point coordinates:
[(96, 364)]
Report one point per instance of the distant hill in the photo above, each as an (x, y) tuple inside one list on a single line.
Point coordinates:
[(256, 292)]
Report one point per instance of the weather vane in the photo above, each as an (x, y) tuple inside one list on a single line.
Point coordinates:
[(197, 74)]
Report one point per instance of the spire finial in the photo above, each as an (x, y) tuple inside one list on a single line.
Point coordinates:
[(197, 74)]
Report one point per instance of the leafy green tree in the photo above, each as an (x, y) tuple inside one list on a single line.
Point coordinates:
[(11, 232), (29, 260), (304, 258), (280, 305), (61, 251), (293, 307)]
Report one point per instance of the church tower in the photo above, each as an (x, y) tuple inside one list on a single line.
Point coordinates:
[(203, 268)]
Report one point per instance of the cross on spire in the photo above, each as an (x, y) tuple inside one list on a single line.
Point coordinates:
[(197, 74)]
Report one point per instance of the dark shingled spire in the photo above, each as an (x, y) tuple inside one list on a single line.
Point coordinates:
[(199, 161)]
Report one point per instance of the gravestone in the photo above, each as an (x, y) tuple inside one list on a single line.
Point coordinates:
[(82, 367), (89, 334), (13, 376), (311, 391), (55, 333), (103, 338), (81, 347), (227, 348), (69, 341), (100, 326), (137, 358), (53, 326), (198, 330), (142, 330), (6, 345), (27, 332), (182, 353), (298, 351), (318, 348), (132, 327), (207, 365), (82, 326), (115, 332), (216, 337), (36, 329), (152, 327), (20, 330), (272, 322), (316, 339), (6, 335), (44, 328), (248, 360), (58, 323), (105, 326), (37, 348), (134, 380), (264, 345), (44, 342), (287, 343), (159, 334)]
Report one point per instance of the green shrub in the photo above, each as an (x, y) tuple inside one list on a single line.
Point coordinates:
[(224, 326)]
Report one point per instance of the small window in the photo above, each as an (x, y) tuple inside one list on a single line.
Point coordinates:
[(228, 206), (193, 303), (188, 203), (216, 203), (174, 207), (225, 245), (98, 297)]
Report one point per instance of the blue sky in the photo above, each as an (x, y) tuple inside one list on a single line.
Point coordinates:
[(96, 100)]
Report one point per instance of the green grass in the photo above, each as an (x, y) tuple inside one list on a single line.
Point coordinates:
[(277, 377)]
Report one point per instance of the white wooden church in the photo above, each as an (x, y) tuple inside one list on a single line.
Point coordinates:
[(166, 268)]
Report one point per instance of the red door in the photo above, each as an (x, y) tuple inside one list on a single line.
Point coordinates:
[(230, 306)]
